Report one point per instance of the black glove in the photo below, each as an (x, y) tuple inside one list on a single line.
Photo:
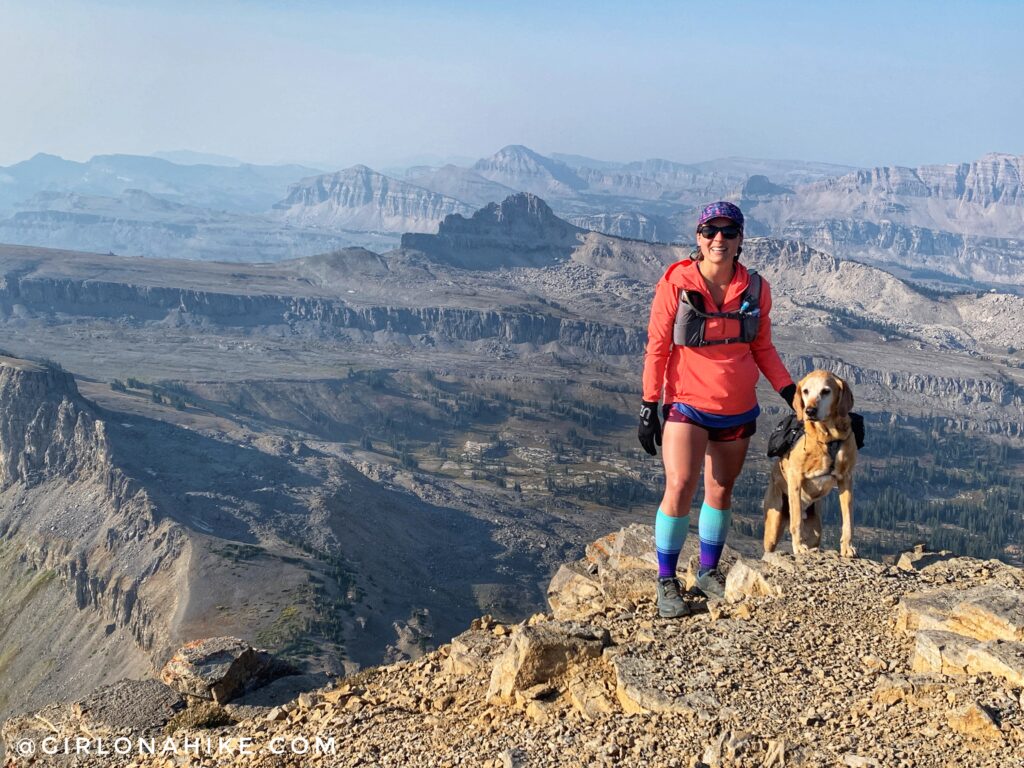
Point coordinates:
[(787, 393), (857, 425), (649, 431)]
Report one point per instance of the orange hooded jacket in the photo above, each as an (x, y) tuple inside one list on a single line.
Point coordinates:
[(719, 379)]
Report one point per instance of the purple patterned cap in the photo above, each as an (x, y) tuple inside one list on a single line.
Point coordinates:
[(720, 209)]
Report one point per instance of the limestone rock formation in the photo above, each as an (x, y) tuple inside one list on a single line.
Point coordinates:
[(632, 225), (360, 199), (963, 219), (47, 430), (520, 231)]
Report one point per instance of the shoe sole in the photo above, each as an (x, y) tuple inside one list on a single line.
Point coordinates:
[(685, 612)]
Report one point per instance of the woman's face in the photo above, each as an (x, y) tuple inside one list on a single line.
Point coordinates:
[(718, 249)]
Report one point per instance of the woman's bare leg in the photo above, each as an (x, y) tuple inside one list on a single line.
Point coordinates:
[(721, 468), (682, 451)]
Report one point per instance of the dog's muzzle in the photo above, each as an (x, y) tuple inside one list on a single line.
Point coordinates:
[(812, 413)]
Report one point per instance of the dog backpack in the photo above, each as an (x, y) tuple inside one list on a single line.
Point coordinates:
[(790, 429), (688, 330), (784, 436)]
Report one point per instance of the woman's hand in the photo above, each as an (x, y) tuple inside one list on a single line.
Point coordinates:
[(787, 393), (649, 431)]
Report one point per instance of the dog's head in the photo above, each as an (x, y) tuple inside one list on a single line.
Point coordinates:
[(822, 396)]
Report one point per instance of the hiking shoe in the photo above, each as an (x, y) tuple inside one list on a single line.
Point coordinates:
[(710, 583), (670, 600)]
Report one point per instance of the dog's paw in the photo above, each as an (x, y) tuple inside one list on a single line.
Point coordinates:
[(847, 550), (799, 550)]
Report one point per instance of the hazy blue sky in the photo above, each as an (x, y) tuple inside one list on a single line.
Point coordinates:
[(338, 83)]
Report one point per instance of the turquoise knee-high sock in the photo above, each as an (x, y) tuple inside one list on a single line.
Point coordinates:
[(713, 527), (669, 535)]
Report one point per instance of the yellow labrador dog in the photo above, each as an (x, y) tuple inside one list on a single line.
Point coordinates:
[(822, 459)]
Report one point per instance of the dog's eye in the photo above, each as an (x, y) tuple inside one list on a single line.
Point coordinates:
[(826, 391)]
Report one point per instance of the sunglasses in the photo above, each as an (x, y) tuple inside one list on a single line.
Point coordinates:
[(729, 231)]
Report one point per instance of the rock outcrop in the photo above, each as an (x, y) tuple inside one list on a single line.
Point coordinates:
[(46, 429), (521, 231), (812, 662), (360, 199), (220, 669)]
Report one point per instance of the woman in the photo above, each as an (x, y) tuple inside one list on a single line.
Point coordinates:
[(709, 336)]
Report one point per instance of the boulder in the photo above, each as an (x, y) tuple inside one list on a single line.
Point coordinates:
[(928, 610), (597, 553), (543, 651), (220, 668), (574, 593), (998, 658), (590, 699), (985, 612), (639, 693), (625, 588), (473, 652), (633, 547), (749, 578), (974, 721), (941, 652), (989, 612)]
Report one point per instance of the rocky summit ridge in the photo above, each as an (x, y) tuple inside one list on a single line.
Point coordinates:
[(820, 661)]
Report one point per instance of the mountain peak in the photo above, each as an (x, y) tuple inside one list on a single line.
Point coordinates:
[(522, 230), (522, 206), (521, 168)]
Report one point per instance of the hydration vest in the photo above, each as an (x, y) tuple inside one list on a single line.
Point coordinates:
[(691, 318)]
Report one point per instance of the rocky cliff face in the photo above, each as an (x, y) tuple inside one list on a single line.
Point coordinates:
[(811, 290), (993, 179), (362, 200), (964, 220), (919, 249), (635, 226), (817, 661), (88, 565), (313, 315), (45, 430)]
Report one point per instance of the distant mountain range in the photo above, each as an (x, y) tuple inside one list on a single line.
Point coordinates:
[(242, 189), (959, 222)]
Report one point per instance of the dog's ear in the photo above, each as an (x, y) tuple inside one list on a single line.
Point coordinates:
[(845, 404), (798, 402)]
